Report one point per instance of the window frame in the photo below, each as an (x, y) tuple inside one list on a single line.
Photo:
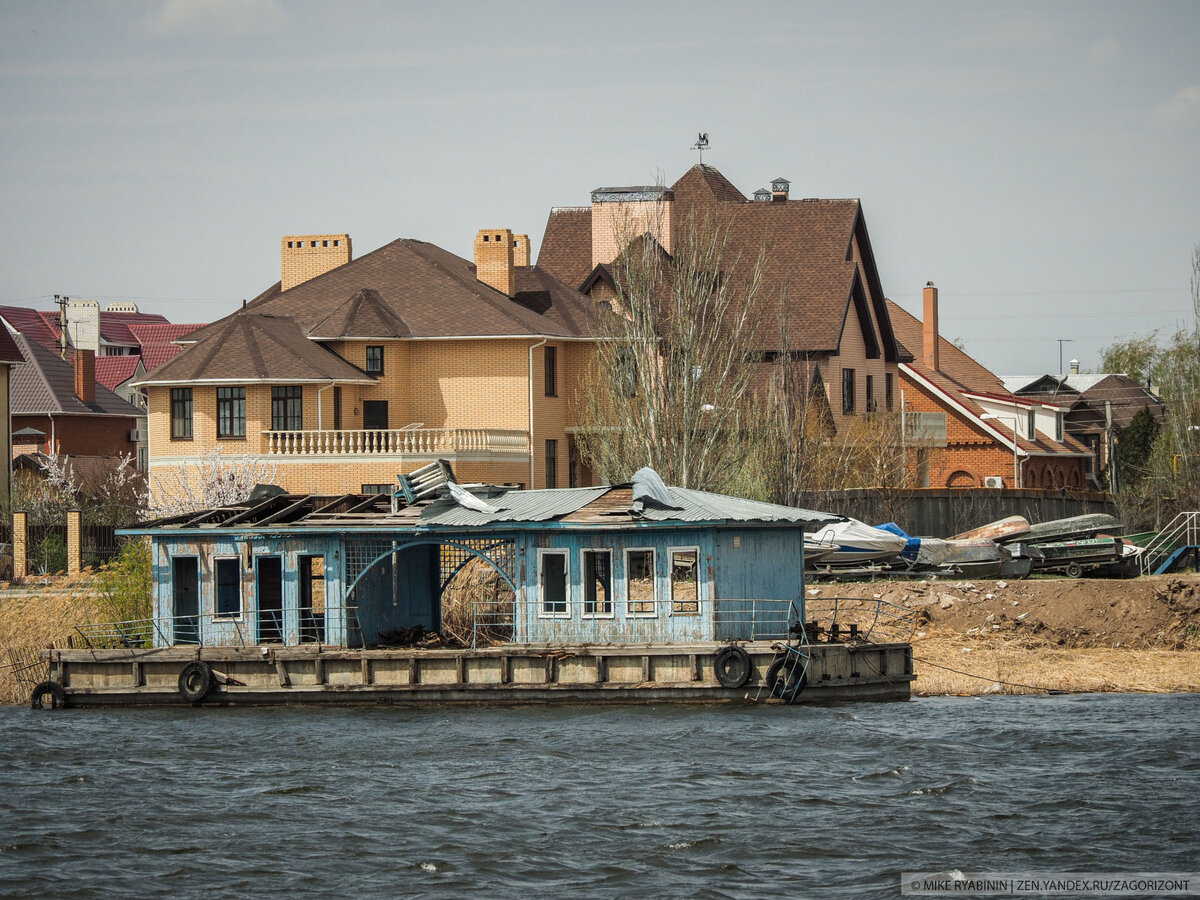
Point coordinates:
[(1031, 424), (241, 598), (1059, 427), (586, 583), (178, 400), (232, 402), (869, 394), (543, 612), (285, 399), (889, 390), (367, 363), (629, 611), (671, 551), (848, 400), (550, 370), (551, 474)]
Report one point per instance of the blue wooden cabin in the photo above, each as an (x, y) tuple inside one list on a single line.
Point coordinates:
[(613, 564)]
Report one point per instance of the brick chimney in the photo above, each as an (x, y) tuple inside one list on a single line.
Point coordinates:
[(520, 250), (305, 256), (930, 326), (85, 375), (494, 258)]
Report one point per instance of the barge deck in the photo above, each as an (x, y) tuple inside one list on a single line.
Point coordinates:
[(507, 674)]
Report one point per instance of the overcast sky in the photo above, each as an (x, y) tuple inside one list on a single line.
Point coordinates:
[(1037, 161)]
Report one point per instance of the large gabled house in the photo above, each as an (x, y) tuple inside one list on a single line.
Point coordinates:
[(967, 430), (350, 371), (818, 265)]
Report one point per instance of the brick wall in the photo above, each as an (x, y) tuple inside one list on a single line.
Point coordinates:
[(615, 224), (83, 435)]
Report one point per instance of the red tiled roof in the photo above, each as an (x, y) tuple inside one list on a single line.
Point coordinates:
[(116, 327), (160, 333), (154, 355), (112, 371), (38, 325)]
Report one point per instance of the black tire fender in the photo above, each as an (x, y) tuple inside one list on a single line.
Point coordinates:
[(51, 689), (732, 666), (780, 686), (195, 681)]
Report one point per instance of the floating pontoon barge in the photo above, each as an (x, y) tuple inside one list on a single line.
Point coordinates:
[(616, 594)]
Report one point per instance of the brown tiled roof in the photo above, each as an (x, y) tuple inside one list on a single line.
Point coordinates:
[(364, 315), (958, 376), (540, 292), (250, 346), (9, 353), (435, 293), (566, 250), (808, 260), (46, 384)]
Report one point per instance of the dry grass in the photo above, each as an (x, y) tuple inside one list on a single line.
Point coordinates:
[(45, 616), (477, 603), (998, 667)]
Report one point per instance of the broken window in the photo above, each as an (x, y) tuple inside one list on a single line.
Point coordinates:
[(639, 583), (229, 587), (685, 583), (597, 583), (552, 582)]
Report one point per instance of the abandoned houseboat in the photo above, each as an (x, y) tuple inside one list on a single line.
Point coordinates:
[(616, 593)]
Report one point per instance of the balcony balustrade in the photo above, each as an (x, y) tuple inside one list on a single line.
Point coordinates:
[(397, 442)]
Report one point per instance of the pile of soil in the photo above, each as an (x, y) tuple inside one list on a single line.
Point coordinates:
[(1154, 612)]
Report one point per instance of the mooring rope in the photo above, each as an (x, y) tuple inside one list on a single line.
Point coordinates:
[(1032, 687)]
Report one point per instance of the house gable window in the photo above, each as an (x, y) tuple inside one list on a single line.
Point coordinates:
[(287, 408), (847, 392), (181, 414), (231, 412), (374, 359), (551, 371)]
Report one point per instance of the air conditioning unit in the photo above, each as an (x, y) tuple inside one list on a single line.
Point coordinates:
[(993, 481), (135, 436)]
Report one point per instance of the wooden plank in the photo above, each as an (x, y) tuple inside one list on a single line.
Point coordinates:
[(366, 670), (319, 670), (505, 669), (551, 669), (695, 660), (136, 673), (281, 671), (646, 672), (460, 666), (601, 670), (414, 671)]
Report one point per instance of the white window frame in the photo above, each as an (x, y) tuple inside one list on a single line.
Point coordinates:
[(583, 587), (629, 613), (671, 581), (241, 616), (541, 582)]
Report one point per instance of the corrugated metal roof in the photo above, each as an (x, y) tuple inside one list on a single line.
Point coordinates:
[(514, 506), (701, 506)]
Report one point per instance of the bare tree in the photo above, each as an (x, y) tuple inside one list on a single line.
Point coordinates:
[(217, 480), (673, 371)]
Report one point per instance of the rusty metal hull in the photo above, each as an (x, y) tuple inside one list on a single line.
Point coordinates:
[(552, 673)]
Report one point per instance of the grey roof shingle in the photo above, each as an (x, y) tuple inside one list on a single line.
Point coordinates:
[(45, 383)]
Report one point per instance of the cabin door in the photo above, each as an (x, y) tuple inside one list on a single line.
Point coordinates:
[(312, 599), (185, 596), (270, 600)]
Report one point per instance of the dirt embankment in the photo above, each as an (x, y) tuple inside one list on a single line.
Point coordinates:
[(1055, 633)]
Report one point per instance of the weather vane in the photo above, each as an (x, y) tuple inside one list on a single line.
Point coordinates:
[(701, 145)]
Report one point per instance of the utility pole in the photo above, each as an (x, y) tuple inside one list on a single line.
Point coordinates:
[(1062, 341), (62, 323), (1114, 480)]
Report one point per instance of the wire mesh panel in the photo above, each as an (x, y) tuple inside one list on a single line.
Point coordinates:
[(501, 552)]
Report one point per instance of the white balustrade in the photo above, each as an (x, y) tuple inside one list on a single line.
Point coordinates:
[(396, 442)]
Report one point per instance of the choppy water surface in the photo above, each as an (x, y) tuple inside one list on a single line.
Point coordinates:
[(554, 801)]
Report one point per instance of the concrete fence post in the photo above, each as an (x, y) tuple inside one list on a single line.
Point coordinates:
[(74, 541), (20, 545)]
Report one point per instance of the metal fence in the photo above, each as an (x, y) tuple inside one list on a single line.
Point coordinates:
[(204, 630), (100, 544)]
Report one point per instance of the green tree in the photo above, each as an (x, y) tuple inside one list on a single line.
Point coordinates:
[(1135, 444)]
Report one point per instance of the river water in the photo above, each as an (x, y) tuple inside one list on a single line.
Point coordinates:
[(717, 801)]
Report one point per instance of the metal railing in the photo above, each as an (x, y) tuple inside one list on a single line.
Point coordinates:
[(396, 442), (1182, 531), (877, 621), (205, 630)]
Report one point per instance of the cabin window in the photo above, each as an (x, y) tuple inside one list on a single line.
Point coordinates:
[(551, 373), (639, 583), (888, 391), (231, 412), (847, 392), (181, 414), (228, 577), (553, 580), (374, 360), (685, 582), (287, 408), (597, 583)]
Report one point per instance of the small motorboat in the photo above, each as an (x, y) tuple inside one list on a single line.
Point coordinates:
[(1068, 529), (1005, 529), (857, 543)]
